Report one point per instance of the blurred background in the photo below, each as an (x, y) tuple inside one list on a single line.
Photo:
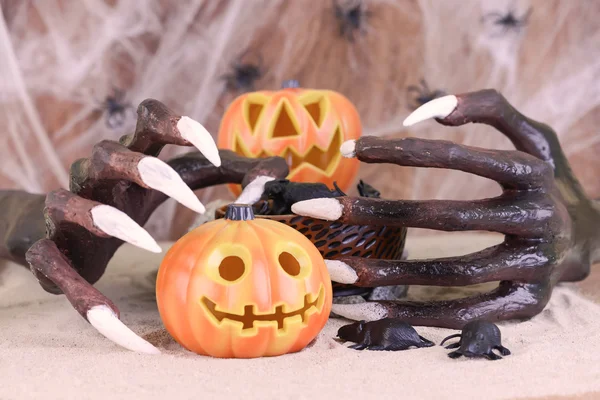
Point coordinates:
[(72, 73)]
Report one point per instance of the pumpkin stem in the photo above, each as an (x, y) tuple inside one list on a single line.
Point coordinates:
[(290, 84), (239, 212)]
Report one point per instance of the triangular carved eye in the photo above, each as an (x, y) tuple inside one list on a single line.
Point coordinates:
[(284, 127), (253, 111), (316, 110)]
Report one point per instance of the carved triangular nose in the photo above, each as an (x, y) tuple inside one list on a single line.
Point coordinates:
[(284, 123)]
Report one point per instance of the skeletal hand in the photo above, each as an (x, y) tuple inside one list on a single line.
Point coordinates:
[(112, 194), (550, 226)]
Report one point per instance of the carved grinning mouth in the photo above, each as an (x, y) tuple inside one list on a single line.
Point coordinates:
[(249, 316)]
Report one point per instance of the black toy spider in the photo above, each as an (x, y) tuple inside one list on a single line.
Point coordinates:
[(116, 109), (423, 95), (508, 21), (243, 75), (350, 17)]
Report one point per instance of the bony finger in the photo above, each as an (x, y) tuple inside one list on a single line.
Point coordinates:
[(116, 223), (436, 108), (328, 209), (158, 175), (254, 190), (341, 272), (192, 131), (348, 149), (107, 323)]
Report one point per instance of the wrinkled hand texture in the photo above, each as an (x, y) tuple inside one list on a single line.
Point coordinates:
[(550, 226)]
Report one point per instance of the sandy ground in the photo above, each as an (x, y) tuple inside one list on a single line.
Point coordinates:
[(48, 351)]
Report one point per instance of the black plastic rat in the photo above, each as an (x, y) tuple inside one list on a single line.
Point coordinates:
[(282, 193), (478, 339), (385, 334), (366, 190)]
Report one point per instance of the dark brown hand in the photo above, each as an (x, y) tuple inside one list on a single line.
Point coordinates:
[(69, 237), (550, 226)]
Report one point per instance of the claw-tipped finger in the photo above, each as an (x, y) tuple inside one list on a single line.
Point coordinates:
[(108, 324), (113, 161), (254, 190), (490, 107), (535, 217), (348, 149), (341, 272), (158, 175), (46, 260), (116, 223), (436, 108), (507, 302), (192, 131), (100, 219), (324, 208)]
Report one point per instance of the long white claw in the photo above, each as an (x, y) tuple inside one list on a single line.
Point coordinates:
[(108, 324), (348, 149), (193, 131), (160, 176), (116, 223), (360, 311), (324, 208), (254, 190), (341, 272), (436, 108)]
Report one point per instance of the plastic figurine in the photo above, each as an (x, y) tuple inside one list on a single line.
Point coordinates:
[(551, 228), (385, 334), (304, 126), (238, 281), (478, 339)]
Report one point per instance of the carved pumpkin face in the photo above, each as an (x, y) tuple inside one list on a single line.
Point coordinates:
[(240, 287), (304, 126)]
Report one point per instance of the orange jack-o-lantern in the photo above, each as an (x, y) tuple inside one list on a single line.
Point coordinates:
[(243, 287), (304, 126)]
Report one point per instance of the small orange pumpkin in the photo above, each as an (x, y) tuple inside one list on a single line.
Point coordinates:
[(304, 126), (240, 287)]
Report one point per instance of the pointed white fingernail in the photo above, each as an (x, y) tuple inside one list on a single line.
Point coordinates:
[(341, 272), (348, 149), (254, 190), (193, 131), (327, 209), (108, 324), (361, 311), (116, 223), (436, 108), (158, 175)]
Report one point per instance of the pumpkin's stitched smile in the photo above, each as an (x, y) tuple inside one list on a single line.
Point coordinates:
[(279, 315)]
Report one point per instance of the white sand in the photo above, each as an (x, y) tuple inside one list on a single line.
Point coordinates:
[(48, 351)]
